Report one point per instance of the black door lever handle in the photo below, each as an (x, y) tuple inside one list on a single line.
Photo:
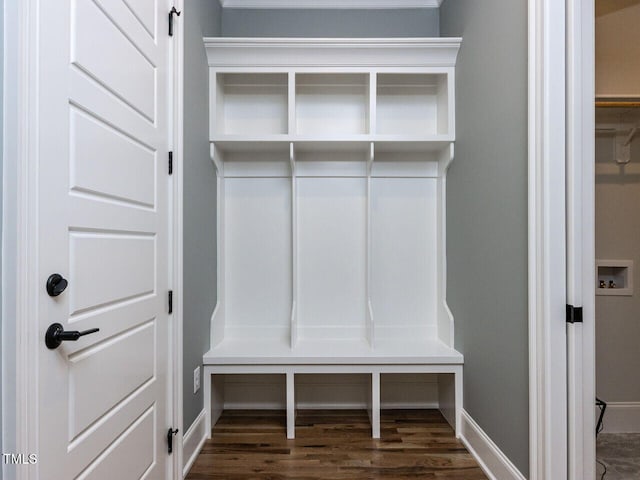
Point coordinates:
[(56, 334)]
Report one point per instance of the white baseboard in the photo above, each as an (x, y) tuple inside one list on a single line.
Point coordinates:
[(493, 462), (621, 417), (192, 442)]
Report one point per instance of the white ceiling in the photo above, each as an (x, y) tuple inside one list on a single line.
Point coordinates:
[(331, 4)]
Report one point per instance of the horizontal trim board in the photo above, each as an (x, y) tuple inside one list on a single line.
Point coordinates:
[(621, 417), (377, 53), (492, 460), (617, 170), (331, 4), (193, 441), (426, 405)]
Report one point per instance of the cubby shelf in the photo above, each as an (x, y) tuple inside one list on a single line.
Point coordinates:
[(331, 161), (383, 143)]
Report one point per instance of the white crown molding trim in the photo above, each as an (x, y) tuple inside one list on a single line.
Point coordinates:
[(331, 4), (331, 52), (492, 460), (193, 441)]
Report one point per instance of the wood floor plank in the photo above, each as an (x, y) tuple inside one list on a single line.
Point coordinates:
[(334, 445)]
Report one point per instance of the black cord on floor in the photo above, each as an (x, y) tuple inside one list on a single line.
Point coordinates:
[(605, 469), (599, 427), (603, 408)]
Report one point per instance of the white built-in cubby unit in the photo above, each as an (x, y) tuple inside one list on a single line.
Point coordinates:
[(331, 160)]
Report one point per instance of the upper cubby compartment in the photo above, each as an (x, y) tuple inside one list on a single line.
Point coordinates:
[(335, 104), (251, 104), (332, 94), (413, 104)]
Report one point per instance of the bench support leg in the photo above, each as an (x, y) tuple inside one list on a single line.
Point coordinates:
[(448, 397), (291, 406), (458, 387), (374, 406), (206, 379), (217, 398), (213, 399)]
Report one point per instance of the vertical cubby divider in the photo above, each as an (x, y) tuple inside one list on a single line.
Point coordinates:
[(445, 317), (291, 404), (291, 92), (373, 407), (369, 309), (218, 316), (294, 246), (373, 102)]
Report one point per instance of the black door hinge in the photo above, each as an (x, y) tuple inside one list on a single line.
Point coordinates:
[(170, 297), (172, 12), (170, 435), (574, 314), (170, 163)]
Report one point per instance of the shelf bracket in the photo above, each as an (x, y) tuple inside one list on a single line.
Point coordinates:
[(216, 158), (292, 159), (371, 158)]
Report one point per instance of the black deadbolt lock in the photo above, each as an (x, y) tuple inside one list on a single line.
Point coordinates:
[(56, 284)]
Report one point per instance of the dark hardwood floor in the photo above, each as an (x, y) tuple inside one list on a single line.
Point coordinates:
[(334, 445)]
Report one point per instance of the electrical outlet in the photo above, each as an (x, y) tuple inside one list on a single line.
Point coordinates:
[(196, 380)]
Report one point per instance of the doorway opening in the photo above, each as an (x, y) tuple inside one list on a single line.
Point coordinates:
[(617, 238)]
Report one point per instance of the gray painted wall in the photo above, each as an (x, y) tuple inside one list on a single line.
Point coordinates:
[(487, 217), (201, 18), (329, 23)]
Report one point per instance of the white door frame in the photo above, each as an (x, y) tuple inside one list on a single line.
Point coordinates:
[(547, 296), (561, 125), (177, 234), (22, 225), (581, 236)]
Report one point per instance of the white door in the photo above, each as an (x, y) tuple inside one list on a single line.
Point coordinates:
[(103, 225)]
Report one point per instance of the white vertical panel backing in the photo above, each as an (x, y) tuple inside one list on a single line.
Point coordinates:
[(404, 257), (218, 317), (369, 313), (258, 256), (580, 237), (294, 242), (445, 318), (331, 257)]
